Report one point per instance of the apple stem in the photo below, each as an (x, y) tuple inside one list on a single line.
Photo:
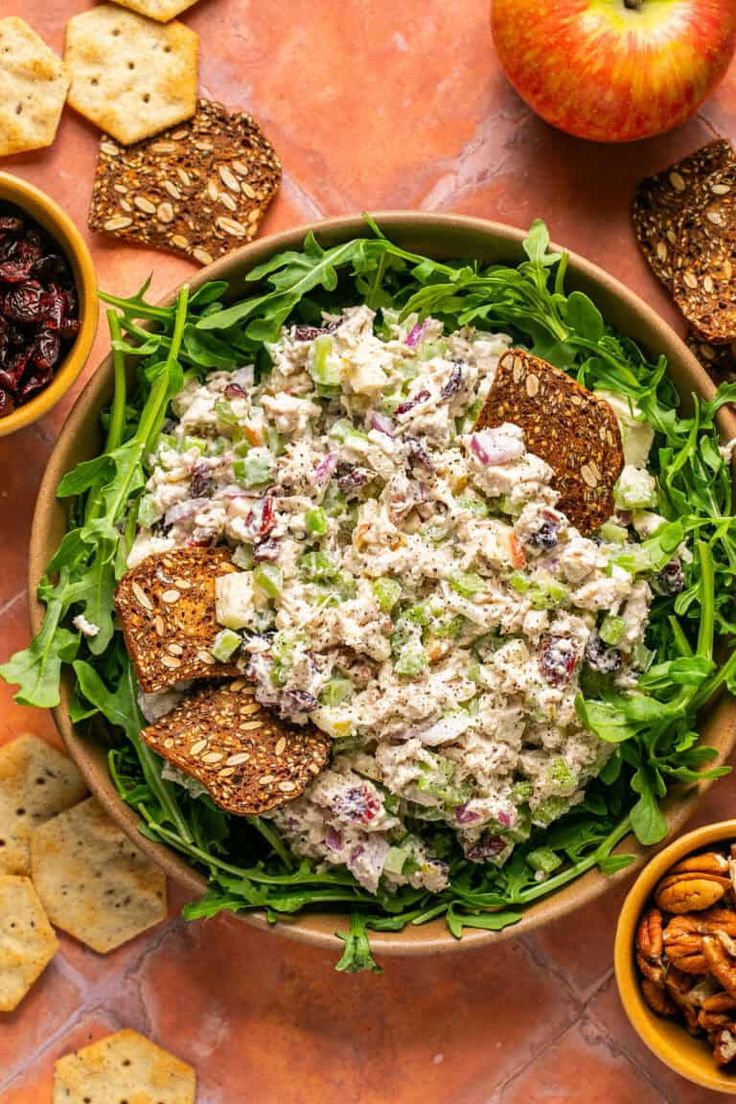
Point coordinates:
[(634, 5)]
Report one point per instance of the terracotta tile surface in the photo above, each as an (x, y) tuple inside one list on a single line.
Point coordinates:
[(370, 105)]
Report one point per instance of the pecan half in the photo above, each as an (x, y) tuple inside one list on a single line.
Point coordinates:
[(724, 1045), (721, 964), (658, 1000), (683, 937), (678, 893), (710, 862), (649, 946), (680, 989), (720, 1002)]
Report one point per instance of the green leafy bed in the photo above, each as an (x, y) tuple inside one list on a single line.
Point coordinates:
[(653, 728)]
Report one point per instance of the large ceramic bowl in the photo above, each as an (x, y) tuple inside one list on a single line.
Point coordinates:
[(48, 214), (445, 237)]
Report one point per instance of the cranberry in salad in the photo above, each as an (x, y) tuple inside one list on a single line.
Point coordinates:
[(39, 309)]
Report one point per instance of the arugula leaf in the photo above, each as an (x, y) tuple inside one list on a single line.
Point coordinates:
[(357, 955)]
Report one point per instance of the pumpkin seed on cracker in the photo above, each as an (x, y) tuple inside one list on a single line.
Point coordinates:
[(27, 940), (130, 76), (248, 761), (200, 189), (123, 1068), (93, 882), (36, 783), (569, 427), (661, 201), (167, 609)]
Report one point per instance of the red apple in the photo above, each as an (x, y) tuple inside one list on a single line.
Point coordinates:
[(614, 70)]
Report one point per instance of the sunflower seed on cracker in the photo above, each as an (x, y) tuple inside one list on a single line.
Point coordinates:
[(200, 189), (123, 1068), (33, 87), (718, 360), (169, 629), (569, 427), (27, 940), (93, 882), (248, 761), (36, 783), (662, 200), (130, 76)]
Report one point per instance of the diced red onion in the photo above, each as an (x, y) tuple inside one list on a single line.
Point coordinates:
[(325, 468), (464, 815), (181, 511), (333, 839), (491, 450), (382, 424), (415, 334), (405, 407)]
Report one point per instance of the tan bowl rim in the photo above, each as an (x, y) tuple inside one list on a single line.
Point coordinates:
[(642, 1019), (47, 212), (318, 929)]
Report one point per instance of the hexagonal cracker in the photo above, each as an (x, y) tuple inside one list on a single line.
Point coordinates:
[(123, 1066), (130, 76), (93, 882), (36, 783), (27, 940), (161, 10), (33, 87)]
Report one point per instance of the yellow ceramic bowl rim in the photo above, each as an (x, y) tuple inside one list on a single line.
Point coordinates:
[(48, 214), (687, 1056)]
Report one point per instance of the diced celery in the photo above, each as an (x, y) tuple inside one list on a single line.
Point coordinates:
[(255, 468), (268, 579), (560, 775), (343, 430), (520, 583), (242, 448), (336, 691), (387, 593), (466, 583), (418, 614), (550, 810), (544, 860), (347, 587), (148, 512), (614, 534), (226, 643), (274, 441), (317, 567), (449, 628), (166, 440), (324, 368), (612, 629), (243, 557), (474, 504), (197, 443), (407, 369), (315, 522), (642, 657), (395, 860), (333, 501), (412, 659), (521, 791), (225, 413), (282, 650), (549, 592), (429, 349)]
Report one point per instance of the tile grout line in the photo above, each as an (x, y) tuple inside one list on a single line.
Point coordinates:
[(633, 1061)]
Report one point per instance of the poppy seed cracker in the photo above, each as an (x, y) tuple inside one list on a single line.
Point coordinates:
[(247, 760), (661, 201), (567, 426), (124, 1068), (200, 189), (167, 608)]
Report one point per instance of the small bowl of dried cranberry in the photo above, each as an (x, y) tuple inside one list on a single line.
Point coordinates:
[(48, 303)]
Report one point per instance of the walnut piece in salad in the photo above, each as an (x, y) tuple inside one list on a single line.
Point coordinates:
[(407, 585)]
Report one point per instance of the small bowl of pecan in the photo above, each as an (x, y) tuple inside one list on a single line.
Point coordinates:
[(675, 956), (48, 303)]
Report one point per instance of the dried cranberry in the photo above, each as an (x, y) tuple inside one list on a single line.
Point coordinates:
[(487, 847), (266, 550), (602, 658), (33, 382), (12, 371), (297, 701), (10, 225), (23, 303), (350, 477), (405, 407), (453, 384), (235, 391), (557, 659), (671, 579), (7, 406), (54, 308), (268, 517), (46, 348), (15, 271), (202, 484), (546, 535), (358, 803), (50, 266)]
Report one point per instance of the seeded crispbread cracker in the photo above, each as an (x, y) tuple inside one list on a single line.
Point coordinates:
[(704, 279), (36, 783), (718, 360), (167, 609), (130, 76), (200, 189), (248, 761), (93, 882), (570, 428), (661, 201), (27, 940), (124, 1068), (161, 10), (33, 87)]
